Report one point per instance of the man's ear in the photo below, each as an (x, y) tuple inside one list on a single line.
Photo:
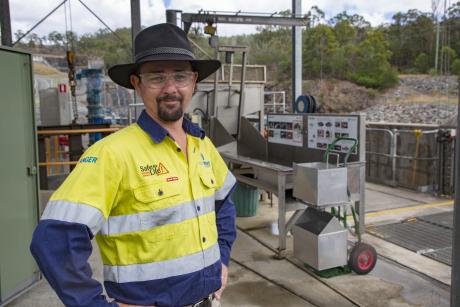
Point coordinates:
[(134, 81), (195, 86)]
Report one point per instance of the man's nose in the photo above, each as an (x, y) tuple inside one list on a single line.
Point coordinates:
[(169, 86)]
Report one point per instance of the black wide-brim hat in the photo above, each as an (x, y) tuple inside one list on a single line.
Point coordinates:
[(162, 42)]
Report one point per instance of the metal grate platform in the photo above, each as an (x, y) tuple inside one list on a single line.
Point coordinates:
[(429, 235)]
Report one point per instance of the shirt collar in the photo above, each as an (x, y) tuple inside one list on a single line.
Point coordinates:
[(158, 133)]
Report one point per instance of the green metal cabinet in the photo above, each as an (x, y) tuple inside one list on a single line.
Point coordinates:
[(18, 173)]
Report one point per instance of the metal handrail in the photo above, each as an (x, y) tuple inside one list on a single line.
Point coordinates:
[(58, 163), (52, 134), (76, 131), (392, 154), (424, 131), (393, 133)]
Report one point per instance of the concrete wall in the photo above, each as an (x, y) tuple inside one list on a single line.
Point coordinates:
[(404, 170)]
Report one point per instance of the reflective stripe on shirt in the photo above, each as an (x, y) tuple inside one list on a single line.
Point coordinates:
[(223, 191), (162, 269), (146, 220), (67, 211)]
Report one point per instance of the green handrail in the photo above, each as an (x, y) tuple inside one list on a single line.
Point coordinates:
[(330, 146)]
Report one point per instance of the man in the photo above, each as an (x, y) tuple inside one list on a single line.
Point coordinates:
[(156, 195)]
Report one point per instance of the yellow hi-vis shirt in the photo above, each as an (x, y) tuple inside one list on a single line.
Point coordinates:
[(151, 209)]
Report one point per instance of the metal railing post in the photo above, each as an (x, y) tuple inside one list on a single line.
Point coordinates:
[(394, 145)]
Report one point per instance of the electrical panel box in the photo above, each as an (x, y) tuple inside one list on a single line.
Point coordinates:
[(304, 138), (19, 180), (55, 107)]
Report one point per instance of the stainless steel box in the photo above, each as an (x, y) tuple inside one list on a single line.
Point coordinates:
[(319, 240), (320, 184)]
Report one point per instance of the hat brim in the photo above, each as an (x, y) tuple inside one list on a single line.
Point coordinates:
[(120, 74)]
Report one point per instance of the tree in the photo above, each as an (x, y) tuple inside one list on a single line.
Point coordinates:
[(319, 47), (315, 16), (448, 56), (103, 43), (371, 66), (56, 38), (455, 69), (410, 34), (34, 40), (422, 63), (355, 20), (272, 46)]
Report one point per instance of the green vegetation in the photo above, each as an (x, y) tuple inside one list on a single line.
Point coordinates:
[(344, 47)]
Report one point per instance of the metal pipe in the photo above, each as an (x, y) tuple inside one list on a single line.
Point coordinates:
[(230, 79), (81, 131), (377, 129), (423, 131), (379, 154), (5, 23), (361, 203), (48, 154), (171, 16), (241, 102), (244, 19), (403, 157), (135, 21), (394, 155), (216, 79), (455, 273), (453, 167), (59, 163), (418, 133), (296, 53), (440, 170), (56, 154)]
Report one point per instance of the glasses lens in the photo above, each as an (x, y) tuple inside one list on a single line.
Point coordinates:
[(158, 80)]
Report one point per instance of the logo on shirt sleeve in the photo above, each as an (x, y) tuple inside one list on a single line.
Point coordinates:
[(88, 160)]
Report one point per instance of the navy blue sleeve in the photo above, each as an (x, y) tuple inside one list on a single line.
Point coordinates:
[(61, 250), (226, 228)]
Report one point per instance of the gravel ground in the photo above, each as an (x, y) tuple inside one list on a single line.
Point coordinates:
[(413, 113)]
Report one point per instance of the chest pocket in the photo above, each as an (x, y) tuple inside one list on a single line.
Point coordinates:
[(208, 181), (157, 195)]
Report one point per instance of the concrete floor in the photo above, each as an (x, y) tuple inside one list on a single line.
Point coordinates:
[(256, 278)]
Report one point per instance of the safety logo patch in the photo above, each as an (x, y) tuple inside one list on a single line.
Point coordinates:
[(153, 169)]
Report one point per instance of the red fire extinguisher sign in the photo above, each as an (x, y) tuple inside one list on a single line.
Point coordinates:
[(62, 88)]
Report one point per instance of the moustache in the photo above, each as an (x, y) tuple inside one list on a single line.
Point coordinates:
[(169, 98)]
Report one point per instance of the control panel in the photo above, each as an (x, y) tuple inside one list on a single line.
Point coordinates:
[(285, 129), (323, 130), (314, 131)]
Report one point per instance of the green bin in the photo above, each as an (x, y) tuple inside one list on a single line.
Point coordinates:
[(246, 199)]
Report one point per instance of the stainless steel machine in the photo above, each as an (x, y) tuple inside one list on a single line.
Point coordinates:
[(302, 162)]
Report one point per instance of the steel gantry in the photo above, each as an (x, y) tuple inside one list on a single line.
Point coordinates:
[(295, 20)]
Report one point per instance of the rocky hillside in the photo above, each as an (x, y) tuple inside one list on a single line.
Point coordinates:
[(412, 113), (417, 99)]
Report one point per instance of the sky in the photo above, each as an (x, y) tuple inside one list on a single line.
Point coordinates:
[(116, 13)]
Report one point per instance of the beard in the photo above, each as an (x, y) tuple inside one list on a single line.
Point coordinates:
[(167, 113)]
